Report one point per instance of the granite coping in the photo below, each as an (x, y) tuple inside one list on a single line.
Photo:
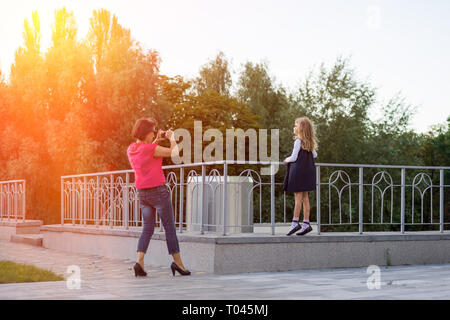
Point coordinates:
[(20, 223), (251, 238)]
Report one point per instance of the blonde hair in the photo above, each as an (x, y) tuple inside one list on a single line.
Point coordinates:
[(305, 132)]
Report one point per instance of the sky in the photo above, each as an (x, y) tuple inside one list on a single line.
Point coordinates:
[(399, 46)]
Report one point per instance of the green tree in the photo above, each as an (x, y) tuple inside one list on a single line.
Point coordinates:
[(391, 141), (26, 86), (68, 66), (124, 88), (214, 75), (23, 151), (257, 89), (172, 92), (435, 149), (338, 104), (215, 111)]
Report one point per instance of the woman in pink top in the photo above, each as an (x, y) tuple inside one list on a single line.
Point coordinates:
[(146, 160)]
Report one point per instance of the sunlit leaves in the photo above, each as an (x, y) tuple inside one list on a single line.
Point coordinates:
[(64, 28)]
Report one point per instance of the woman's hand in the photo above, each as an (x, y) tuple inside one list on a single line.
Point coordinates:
[(159, 137), (169, 135), (167, 152)]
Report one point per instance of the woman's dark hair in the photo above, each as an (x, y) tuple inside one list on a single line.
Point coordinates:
[(142, 128)]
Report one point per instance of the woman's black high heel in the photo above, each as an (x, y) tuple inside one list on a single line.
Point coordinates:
[(138, 271), (174, 267)]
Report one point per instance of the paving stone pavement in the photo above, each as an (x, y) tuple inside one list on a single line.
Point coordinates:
[(104, 278)]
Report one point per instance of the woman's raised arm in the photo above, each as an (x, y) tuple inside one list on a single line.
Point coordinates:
[(167, 152)]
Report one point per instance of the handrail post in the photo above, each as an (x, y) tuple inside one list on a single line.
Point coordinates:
[(125, 201), (24, 200), (8, 202), (318, 197), (97, 202), (73, 201), (402, 204), (136, 206), (1, 201), (272, 199), (361, 195), (15, 204), (441, 200), (181, 198), (84, 200), (224, 197), (111, 200), (62, 202), (202, 198)]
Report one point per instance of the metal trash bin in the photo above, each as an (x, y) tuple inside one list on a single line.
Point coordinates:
[(239, 216)]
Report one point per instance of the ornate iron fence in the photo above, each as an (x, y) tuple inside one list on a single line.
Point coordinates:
[(381, 194), (12, 200), (232, 196)]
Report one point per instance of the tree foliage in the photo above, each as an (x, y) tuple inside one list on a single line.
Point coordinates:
[(215, 75)]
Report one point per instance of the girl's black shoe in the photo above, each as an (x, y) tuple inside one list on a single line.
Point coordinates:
[(174, 267), (294, 228), (305, 229), (138, 271)]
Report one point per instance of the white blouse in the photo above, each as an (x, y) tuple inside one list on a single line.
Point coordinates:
[(295, 150)]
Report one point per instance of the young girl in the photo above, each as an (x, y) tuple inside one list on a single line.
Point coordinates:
[(301, 173)]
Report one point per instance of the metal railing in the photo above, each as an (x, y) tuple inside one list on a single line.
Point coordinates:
[(376, 189), (354, 196), (12, 200)]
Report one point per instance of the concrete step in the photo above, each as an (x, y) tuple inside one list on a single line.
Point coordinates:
[(34, 239), (12, 226)]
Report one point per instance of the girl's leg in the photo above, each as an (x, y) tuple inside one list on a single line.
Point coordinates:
[(298, 204), (306, 227), (295, 226), (306, 206)]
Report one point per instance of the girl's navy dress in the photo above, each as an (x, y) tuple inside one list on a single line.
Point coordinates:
[(301, 174)]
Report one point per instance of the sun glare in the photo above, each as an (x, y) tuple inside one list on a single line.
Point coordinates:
[(22, 11)]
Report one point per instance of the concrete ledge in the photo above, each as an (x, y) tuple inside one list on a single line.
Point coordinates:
[(21, 223), (31, 239), (210, 237), (247, 252)]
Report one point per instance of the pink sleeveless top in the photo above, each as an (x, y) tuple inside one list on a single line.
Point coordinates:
[(147, 169)]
